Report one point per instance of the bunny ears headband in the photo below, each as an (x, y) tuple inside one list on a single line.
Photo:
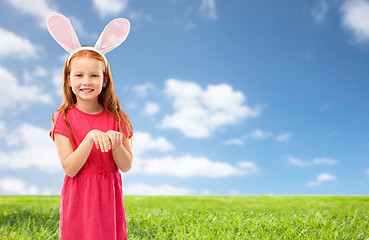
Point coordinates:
[(62, 31)]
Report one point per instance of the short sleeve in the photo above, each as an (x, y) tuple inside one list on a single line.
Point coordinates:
[(127, 133), (59, 126)]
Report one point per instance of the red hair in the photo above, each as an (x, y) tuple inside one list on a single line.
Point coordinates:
[(107, 97)]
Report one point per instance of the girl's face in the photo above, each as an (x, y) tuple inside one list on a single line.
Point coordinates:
[(86, 78)]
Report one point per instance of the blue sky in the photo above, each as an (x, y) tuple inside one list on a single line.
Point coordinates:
[(225, 97)]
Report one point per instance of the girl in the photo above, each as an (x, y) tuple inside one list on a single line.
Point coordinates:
[(91, 133)]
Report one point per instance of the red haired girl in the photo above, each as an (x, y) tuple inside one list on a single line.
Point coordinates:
[(91, 133)]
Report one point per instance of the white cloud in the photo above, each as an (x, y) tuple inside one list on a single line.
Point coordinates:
[(140, 16), (16, 46), (313, 183), (298, 162), (40, 9), (199, 112), (235, 141), (31, 146), (248, 167), (143, 142), (322, 161), (355, 19), (16, 96), (142, 89), (151, 109), (188, 166), (259, 134), (16, 186), (2, 128), (208, 8), (321, 178), (320, 11), (38, 72), (57, 79), (110, 7), (325, 177), (315, 161), (143, 189), (185, 166), (36, 8), (285, 137)]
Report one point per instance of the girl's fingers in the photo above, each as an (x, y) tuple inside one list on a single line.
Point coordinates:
[(104, 143), (100, 143), (113, 140), (97, 144), (107, 144), (101, 140), (109, 140)]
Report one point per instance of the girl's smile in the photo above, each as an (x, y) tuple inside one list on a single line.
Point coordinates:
[(87, 90)]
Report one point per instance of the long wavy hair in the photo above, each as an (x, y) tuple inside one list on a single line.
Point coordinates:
[(107, 97)]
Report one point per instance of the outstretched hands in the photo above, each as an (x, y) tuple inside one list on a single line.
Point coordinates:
[(106, 141)]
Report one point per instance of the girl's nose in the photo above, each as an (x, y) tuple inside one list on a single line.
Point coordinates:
[(87, 80)]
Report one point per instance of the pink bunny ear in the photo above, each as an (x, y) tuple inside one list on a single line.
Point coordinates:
[(113, 35), (62, 31)]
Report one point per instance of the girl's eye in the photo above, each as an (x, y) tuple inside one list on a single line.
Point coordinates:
[(95, 75), (78, 75)]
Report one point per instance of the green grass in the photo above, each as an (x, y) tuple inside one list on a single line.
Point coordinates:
[(205, 217)]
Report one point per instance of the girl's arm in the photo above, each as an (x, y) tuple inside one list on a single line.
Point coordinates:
[(73, 161), (123, 156)]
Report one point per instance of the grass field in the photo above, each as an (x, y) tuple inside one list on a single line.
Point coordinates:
[(205, 217)]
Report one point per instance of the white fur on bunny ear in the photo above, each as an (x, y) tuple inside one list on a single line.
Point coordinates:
[(113, 35), (62, 31)]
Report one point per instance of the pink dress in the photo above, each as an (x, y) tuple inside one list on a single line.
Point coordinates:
[(91, 203)]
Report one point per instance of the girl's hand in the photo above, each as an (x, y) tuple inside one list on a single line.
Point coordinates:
[(116, 138), (101, 140)]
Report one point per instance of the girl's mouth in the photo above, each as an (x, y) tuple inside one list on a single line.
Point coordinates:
[(86, 89)]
